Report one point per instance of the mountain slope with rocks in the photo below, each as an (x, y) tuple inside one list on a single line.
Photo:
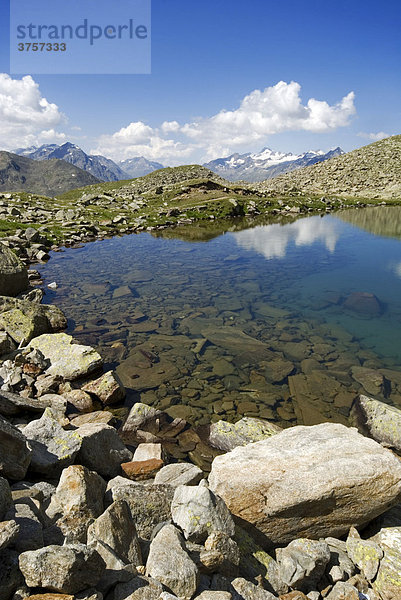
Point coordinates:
[(50, 177), (373, 171), (99, 166), (266, 164)]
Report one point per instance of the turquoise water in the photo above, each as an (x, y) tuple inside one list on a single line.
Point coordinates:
[(200, 328)]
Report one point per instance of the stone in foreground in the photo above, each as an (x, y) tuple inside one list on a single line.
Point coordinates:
[(13, 274), (378, 420), (169, 563), (68, 360), (15, 454), (308, 482), (66, 569), (198, 512)]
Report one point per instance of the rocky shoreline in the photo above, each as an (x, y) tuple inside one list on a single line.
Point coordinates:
[(97, 504)]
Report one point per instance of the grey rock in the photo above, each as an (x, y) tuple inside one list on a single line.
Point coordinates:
[(116, 528), (213, 595), (53, 449), (302, 563), (65, 569), (79, 489), (179, 474), (344, 591), (13, 404), (227, 436), (388, 581), (247, 591), (6, 344), (340, 567), (139, 588), (269, 483), (101, 449), (378, 420), (30, 536), (169, 563), (221, 554), (149, 504), (116, 570), (13, 274), (8, 533), (366, 554), (141, 418), (107, 388), (68, 360), (199, 512), (15, 454)]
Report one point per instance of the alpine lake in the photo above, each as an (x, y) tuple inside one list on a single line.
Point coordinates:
[(287, 319)]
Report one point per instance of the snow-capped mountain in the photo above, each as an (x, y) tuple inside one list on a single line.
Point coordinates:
[(101, 167), (266, 164), (139, 166)]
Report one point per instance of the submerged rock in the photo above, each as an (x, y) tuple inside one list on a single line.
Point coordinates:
[(363, 303), (284, 485)]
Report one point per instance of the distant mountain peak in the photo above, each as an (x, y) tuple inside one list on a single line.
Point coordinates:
[(268, 163)]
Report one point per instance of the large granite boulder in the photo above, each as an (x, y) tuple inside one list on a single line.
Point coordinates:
[(378, 420), (13, 274), (68, 360), (308, 482)]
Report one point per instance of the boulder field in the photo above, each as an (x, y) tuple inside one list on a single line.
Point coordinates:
[(100, 501)]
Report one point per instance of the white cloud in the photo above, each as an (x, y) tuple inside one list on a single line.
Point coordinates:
[(260, 114), (375, 137), (26, 117), (139, 139), (170, 127), (267, 112), (271, 241)]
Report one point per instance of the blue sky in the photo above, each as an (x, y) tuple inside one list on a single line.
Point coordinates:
[(207, 57)]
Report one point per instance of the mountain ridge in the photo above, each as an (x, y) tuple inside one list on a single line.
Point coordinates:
[(48, 177), (255, 167), (372, 171), (99, 166)]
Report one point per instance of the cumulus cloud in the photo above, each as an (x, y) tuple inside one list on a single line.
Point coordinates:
[(272, 241), (375, 137), (26, 117), (139, 139), (261, 113), (267, 112)]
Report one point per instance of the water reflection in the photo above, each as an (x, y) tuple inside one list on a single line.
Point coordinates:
[(212, 331), (272, 241)]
